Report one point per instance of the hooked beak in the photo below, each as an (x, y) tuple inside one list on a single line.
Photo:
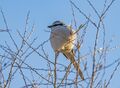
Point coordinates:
[(50, 26)]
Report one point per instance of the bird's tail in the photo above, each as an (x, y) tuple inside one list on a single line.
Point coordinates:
[(70, 55)]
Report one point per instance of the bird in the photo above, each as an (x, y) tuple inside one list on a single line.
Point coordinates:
[(62, 39)]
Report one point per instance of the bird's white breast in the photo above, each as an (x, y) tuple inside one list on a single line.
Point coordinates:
[(62, 38)]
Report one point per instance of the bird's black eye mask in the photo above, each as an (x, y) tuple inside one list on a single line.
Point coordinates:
[(61, 24)]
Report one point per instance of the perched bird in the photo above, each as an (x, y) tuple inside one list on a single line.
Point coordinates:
[(62, 40)]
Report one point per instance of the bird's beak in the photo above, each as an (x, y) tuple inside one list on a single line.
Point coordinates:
[(50, 26)]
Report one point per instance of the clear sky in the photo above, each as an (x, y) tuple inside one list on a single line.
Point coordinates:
[(44, 12)]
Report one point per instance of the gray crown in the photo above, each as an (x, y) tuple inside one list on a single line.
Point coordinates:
[(57, 23)]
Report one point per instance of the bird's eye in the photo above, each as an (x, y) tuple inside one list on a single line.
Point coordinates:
[(60, 24)]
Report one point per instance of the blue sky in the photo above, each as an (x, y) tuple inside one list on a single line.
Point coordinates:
[(44, 12)]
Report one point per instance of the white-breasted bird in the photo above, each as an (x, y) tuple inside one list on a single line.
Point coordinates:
[(62, 40)]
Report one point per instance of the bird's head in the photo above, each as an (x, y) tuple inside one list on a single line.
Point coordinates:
[(56, 23)]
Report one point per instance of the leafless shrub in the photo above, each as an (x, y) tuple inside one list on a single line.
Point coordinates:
[(54, 73)]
